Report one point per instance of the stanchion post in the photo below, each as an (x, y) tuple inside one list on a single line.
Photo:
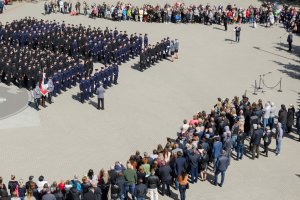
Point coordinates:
[(280, 85), (259, 87), (255, 87)]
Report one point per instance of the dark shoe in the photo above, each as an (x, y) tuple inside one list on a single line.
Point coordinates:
[(220, 185)]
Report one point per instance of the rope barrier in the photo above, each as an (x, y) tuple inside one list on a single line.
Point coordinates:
[(271, 87)]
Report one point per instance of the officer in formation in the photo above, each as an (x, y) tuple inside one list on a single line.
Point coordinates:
[(106, 77), (29, 46), (153, 53), (24, 67), (70, 39)]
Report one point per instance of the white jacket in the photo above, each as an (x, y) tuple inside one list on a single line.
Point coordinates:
[(267, 111)]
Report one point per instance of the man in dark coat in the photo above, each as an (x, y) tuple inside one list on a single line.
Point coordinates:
[(165, 175), (90, 195), (256, 140), (290, 118), (194, 159), (140, 190), (221, 167), (179, 165), (282, 117)]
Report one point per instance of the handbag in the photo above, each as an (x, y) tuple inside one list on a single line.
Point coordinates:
[(187, 186)]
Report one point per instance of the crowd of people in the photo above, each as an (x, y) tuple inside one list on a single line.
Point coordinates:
[(204, 144), (65, 54), (267, 13)]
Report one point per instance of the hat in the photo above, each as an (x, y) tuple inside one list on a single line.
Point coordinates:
[(31, 178)]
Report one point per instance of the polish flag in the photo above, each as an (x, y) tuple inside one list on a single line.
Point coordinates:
[(43, 86)]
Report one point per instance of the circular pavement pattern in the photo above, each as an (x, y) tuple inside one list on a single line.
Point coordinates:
[(12, 101)]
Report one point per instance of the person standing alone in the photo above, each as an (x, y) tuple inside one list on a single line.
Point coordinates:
[(100, 94), (237, 30), (290, 40)]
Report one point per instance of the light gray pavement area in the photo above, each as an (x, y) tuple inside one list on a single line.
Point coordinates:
[(68, 137)]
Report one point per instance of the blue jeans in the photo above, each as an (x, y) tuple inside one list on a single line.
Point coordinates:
[(130, 188), (278, 146), (182, 190), (284, 128), (271, 122), (239, 151), (298, 132), (215, 163), (176, 184), (216, 177), (194, 174), (266, 122), (140, 198)]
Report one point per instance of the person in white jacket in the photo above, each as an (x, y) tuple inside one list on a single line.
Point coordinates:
[(266, 112)]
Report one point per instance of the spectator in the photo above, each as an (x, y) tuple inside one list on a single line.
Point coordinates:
[(256, 140), (22, 189), (121, 182), (179, 165), (29, 195), (183, 184), (282, 118), (221, 167), (165, 175), (104, 183), (279, 137), (290, 118), (13, 186), (47, 195), (240, 144), (2, 185), (140, 190), (58, 194), (203, 165), (153, 183), (131, 180), (216, 150), (194, 159)]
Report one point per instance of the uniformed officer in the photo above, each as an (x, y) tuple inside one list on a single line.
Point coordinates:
[(82, 90), (116, 73), (145, 41)]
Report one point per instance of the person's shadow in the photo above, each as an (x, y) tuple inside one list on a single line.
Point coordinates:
[(93, 103), (217, 28), (230, 40), (136, 66)]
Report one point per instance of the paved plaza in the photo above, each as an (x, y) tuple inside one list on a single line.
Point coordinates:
[(145, 108)]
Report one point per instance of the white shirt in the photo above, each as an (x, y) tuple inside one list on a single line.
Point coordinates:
[(40, 185)]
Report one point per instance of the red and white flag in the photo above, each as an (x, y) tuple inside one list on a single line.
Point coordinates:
[(43, 86)]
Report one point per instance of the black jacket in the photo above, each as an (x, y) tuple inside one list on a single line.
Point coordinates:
[(256, 137), (165, 173), (153, 182), (89, 196), (73, 194), (140, 191)]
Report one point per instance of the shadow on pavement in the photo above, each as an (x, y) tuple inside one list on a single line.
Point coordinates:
[(290, 69)]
